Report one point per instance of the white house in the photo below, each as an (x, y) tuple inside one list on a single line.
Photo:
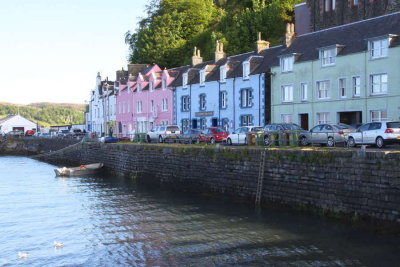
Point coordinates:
[(16, 122)]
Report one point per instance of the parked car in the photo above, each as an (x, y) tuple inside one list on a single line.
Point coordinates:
[(29, 132), (274, 130), (15, 133), (63, 133), (240, 134), (213, 135), (159, 133), (376, 133), (327, 134), (190, 136)]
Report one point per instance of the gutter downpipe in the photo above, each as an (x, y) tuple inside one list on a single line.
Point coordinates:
[(219, 103), (259, 99), (234, 106)]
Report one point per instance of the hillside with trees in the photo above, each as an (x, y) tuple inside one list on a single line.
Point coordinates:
[(171, 28), (46, 114)]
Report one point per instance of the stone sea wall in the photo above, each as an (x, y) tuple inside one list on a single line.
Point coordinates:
[(348, 182), (33, 146)]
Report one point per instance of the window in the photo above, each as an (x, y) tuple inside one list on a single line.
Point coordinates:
[(164, 104), (164, 122), (185, 125), (224, 99), (139, 87), (356, 86), (378, 48), (378, 84), (225, 124), (304, 91), (328, 57), (355, 2), (342, 87), (202, 101), (139, 107), (222, 73), (164, 83), (329, 5), (246, 69), (129, 107), (323, 117), (246, 120), (202, 77), (378, 115), (203, 124), (287, 93), (123, 107), (151, 87), (152, 105), (246, 98), (287, 63), (286, 118), (185, 79), (323, 89), (185, 103)]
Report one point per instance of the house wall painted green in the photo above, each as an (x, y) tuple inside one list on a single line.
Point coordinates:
[(347, 67)]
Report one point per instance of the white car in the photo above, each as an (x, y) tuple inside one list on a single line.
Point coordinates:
[(159, 133), (239, 135), (376, 133)]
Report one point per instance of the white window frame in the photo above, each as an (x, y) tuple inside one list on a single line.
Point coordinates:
[(129, 107), (165, 104), (318, 89), (304, 91), (139, 107), (139, 87), (184, 80), (380, 115), (222, 73), (202, 100), (246, 120), (287, 93), (354, 86), (203, 124), (224, 99), (202, 77), (185, 125), (287, 118), (328, 56), (246, 98), (164, 83), (323, 117), (185, 103), (287, 63), (246, 69), (382, 86), (151, 87), (378, 48), (151, 105), (342, 87)]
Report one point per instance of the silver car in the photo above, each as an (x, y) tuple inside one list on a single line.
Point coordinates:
[(329, 134), (376, 133), (160, 133)]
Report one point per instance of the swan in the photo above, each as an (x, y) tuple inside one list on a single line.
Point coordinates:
[(22, 255), (58, 244)]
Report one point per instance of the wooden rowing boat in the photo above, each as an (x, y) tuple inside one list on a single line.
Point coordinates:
[(78, 171)]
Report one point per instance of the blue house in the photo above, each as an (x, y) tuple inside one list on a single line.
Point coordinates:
[(228, 91)]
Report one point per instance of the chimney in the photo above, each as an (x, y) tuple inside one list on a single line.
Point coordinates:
[(196, 58), (290, 34), (219, 52), (261, 44)]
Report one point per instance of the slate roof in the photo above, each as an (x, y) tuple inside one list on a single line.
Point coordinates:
[(352, 36), (6, 118)]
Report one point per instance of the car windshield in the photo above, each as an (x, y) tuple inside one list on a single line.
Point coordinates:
[(219, 130), (172, 128), (293, 127), (256, 129), (343, 126), (395, 124)]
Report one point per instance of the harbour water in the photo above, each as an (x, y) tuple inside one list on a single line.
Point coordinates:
[(110, 221)]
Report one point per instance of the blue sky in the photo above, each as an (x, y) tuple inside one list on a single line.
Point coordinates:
[(51, 50)]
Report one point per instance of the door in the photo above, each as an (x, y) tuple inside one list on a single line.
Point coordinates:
[(359, 135), (372, 132), (235, 136), (214, 122), (194, 124), (315, 134), (304, 121)]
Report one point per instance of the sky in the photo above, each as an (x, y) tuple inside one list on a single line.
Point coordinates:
[(51, 50)]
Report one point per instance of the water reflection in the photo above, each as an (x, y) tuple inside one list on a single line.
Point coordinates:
[(107, 221)]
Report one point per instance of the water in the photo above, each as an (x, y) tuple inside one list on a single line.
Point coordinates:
[(113, 222)]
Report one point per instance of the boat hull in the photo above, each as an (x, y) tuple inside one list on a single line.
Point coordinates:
[(79, 171)]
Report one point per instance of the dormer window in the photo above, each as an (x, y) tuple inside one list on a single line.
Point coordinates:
[(139, 87), (185, 80), (222, 73), (287, 63), (246, 69), (164, 83), (378, 48), (328, 56), (151, 86), (202, 77)]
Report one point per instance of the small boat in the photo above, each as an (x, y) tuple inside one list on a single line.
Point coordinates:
[(78, 171)]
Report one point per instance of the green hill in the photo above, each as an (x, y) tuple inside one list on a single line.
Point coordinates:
[(46, 114), (171, 28)]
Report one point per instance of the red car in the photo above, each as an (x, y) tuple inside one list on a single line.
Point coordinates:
[(29, 132), (213, 135)]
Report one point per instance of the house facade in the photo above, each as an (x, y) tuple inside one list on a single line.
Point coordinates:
[(346, 74), (16, 122)]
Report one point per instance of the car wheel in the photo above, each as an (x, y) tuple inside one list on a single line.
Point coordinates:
[(229, 141), (303, 141), (351, 142), (212, 140), (379, 142), (267, 140), (148, 139), (160, 139), (331, 142)]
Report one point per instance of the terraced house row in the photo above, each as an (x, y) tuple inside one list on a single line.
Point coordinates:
[(328, 70)]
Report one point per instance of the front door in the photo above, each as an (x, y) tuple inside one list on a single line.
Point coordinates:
[(304, 121), (214, 122), (194, 124)]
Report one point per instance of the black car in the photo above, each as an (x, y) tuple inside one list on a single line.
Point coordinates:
[(190, 136), (276, 133)]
